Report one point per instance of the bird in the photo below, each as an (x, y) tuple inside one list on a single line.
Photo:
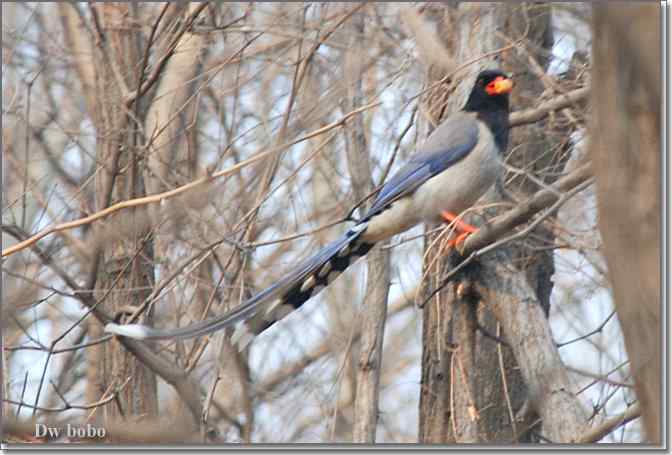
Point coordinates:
[(459, 161)]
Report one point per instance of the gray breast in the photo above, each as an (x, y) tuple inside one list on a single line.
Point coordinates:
[(460, 186)]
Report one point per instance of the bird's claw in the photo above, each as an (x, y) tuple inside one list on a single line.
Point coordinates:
[(458, 242), (465, 230)]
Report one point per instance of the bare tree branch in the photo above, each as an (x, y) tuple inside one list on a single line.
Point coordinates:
[(158, 198), (608, 426)]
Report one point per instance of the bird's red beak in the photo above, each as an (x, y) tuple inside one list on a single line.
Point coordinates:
[(499, 86)]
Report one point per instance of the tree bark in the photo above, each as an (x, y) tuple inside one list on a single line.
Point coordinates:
[(368, 368), (472, 387), (626, 150), (124, 250)]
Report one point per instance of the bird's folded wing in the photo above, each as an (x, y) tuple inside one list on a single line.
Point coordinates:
[(446, 146)]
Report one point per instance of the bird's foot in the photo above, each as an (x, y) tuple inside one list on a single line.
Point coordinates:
[(457, 241), (465, 229), (451, 218)]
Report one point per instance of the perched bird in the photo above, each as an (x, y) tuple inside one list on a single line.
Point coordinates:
[(457, 164)]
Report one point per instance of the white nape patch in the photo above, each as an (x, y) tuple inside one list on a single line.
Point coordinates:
[(272, 306), (344, 251), (326, 268), (137, 331), (308, 283), (241, 336)]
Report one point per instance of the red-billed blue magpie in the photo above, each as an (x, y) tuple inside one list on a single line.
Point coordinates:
[(457, 164)]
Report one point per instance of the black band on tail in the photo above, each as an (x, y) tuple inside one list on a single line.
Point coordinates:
[(312, 284)]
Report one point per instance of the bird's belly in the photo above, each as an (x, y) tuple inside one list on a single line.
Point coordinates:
[(400, 216), (455, 189), (458, 188)]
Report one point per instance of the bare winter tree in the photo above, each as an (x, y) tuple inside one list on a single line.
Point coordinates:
[(627, 163), (163, 162), (484, 393)]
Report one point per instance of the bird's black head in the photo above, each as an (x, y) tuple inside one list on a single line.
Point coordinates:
[(490, 92)]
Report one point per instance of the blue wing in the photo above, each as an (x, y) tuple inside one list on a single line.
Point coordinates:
[(450, 143), (447, 145)]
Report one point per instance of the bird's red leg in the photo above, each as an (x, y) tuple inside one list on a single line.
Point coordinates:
[(460, 226), (452, 243)]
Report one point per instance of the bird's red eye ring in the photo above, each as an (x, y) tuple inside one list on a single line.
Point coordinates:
[(499, 86)]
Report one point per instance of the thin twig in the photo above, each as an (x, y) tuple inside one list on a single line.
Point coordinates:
[(485, 240), (159, 198), (597, 433)]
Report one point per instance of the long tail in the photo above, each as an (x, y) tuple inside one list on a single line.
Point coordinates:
[(272, 304)]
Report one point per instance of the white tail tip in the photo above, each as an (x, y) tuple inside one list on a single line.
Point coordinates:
[(137, 331)]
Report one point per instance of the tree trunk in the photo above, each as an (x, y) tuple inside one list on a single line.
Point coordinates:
[(125, 272), (627, 163), (378, 261), (472, 388)]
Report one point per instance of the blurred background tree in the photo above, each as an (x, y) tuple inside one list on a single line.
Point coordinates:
[(105, 103)]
